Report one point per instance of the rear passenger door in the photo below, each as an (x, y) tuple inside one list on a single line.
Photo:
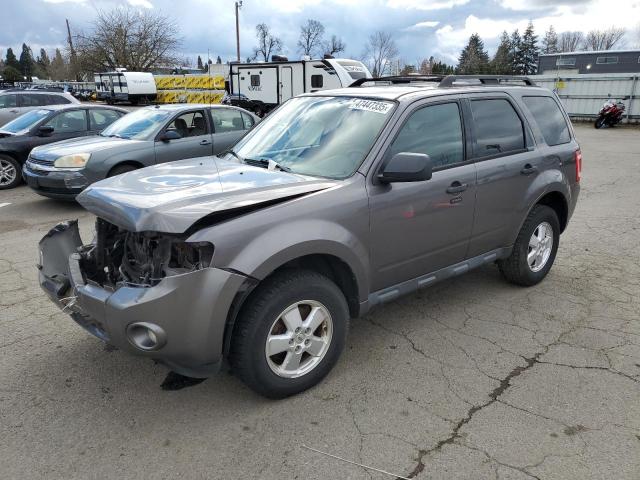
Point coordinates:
[(193, 128), (507, 165), (229, 125), (421, 227)]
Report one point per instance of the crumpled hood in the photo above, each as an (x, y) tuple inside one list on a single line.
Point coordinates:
[(81, 145), (171, 197)]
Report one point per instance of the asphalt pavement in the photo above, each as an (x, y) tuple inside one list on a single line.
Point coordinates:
[(473, 378)]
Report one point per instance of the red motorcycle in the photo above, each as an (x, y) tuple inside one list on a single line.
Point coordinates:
[(610, 114)]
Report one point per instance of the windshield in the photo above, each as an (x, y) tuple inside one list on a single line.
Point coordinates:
[(26, 121), (140, 125), (320, 136)]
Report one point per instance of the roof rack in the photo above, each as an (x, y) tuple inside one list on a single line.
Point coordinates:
[(450, 80), (488, 80), (395, 79)]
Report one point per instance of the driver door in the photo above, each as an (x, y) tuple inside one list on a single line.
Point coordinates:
[(421, 227), (195, 138)]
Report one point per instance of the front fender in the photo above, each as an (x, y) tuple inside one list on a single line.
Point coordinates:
[(288, 241)]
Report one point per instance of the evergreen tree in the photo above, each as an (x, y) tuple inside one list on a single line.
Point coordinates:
[(58, 67), (11, 74), (26, 62), (11, 60), (200, 65), (550, 41), (529, 51), (501, 62), (515, 53), (218, 60), (42, 64), (473, 59)]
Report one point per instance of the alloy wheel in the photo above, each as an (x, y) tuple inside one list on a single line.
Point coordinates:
[(7, 172), (540, 247)]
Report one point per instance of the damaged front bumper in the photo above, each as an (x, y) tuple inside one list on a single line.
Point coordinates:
[(186, 313)]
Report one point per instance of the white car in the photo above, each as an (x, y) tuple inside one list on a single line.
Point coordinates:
[(14, 103)]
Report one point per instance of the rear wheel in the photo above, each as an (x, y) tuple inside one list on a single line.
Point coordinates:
[(10, 176), (599, 122), (290, 333), (535, 249)]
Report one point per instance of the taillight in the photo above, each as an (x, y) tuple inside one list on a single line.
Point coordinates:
[(578, 155)]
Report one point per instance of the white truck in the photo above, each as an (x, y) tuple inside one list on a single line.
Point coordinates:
[(262, 86), (123, 86)]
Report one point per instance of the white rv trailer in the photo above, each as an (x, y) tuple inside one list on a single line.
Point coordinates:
[(125, 86), (268, 84)]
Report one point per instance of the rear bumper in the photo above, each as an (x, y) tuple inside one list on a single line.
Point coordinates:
[(191, 309)]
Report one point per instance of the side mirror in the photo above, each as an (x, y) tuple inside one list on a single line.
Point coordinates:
[(407, 167), (170, 135), (45, 131)]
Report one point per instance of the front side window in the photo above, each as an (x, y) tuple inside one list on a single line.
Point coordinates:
[(227, 120), (8, 101), (566, 61), (319, 136), (435, 130), (142, 124), (69, 122), (498, 127), (549, 118), (606, 60), (190, 124)]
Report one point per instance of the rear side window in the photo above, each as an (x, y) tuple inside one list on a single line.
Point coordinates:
[(33, 100), (435, 130), (317, 81), (498, 127), (248, 121), (101, 119), (549, 118), (227, 120), (57, 100)]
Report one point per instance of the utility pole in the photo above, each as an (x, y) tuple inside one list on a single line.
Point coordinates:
[(72, 52), (238, 5)]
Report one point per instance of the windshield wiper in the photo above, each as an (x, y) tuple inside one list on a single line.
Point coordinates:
[(222, 154), (266, 163)]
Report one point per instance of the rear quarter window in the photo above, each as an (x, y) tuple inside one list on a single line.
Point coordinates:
[(549, 118)]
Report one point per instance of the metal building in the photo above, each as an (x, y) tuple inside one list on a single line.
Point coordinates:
[(607, 61)]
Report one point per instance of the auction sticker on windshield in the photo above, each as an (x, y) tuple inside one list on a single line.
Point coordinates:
[(371, 106)]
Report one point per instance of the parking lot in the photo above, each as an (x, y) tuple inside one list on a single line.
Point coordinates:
[(471, 379)]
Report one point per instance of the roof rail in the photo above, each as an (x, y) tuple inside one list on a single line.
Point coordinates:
[(399, 79), (487, 80)]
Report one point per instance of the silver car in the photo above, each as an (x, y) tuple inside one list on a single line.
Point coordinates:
[(146, 137), (14, 103)]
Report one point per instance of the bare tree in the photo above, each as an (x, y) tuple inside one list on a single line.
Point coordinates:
[(380, 52), (334, 45), (570, 41), (604, 39), (310, 37), (267, 43), (129, 38)]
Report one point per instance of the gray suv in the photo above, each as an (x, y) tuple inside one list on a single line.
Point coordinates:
[(335, 203), (14, 103)]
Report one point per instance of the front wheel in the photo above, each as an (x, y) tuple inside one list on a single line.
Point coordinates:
[(10, 175), (290, 333), (535, 248)]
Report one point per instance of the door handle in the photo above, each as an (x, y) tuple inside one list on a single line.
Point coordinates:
[(205, 142), (13, 111), (457, 187), (528, 169)]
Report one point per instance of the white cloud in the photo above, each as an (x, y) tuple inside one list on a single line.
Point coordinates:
[(422, 25), (65, 1), (140, 3), (425, 4)]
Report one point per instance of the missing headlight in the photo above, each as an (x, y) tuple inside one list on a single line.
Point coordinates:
[(119, 257)]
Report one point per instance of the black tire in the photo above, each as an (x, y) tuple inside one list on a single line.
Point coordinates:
[(10, 172), (516, 268), (248, 344), (120, 169), (599, 122)]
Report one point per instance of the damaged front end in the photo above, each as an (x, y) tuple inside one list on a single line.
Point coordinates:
[(150, 293)]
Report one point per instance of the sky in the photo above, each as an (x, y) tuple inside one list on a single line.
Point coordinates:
[(421, 28)]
